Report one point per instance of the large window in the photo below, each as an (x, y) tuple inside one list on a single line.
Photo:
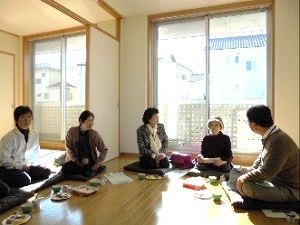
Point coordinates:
[(211, 66), (58, 84)]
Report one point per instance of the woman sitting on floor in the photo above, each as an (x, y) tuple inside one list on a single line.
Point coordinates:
[(216, 151), (152, 141), (19, 151), (82, 144)]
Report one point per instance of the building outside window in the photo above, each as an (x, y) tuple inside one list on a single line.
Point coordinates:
[(211, 53), (59, 71)]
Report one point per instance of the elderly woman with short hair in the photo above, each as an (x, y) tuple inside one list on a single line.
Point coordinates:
[(152, 141)]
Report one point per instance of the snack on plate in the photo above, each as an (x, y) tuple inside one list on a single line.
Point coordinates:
[(153, 177), (85, 190), (16, 219)]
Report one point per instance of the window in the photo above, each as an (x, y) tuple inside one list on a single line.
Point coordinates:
[(211, 53), (248, 65), (63, 89), (46, 95), (236, 59)]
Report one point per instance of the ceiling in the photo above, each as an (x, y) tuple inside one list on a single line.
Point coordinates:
[(29, 17), (129, 8)]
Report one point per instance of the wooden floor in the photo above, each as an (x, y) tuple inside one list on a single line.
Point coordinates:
[(141, 202)]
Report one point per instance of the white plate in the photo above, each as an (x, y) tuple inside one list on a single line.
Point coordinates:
[(203, 194), (85, 190), (64, 196), (153, 177), (25, 218)]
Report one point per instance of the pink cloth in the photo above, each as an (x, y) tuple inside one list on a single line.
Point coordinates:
[(182, 161)]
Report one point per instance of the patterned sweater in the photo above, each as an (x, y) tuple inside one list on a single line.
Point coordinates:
[(143, 140)]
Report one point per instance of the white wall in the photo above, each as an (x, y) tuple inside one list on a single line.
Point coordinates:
[(104, 89), (287, 66), (13, 44), (133, 80), (134, 73)]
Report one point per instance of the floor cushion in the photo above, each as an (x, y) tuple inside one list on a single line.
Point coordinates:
[(80, 177), (194, 172), (136, 167), (240, 202), (15, 198)]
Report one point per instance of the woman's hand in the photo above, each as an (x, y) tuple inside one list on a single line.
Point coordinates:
[(85, 161), (200, 159), (159, 157), (26, 167), (219, 162), (96, 166)]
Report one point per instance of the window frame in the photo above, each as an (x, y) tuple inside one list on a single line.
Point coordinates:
[(211, 11), (28, 65)]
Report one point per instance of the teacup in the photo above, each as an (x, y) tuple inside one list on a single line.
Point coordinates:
[(56, 188), (213, 179), (95, 182), (36, 202), (102, 181), (142, 176), (217, 196), (27, 207)]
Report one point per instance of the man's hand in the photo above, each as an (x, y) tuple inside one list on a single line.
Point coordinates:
[(239, 185)]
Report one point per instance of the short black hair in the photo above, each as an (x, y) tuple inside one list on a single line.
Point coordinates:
[(21, 110), (84, 115), (148, 114), (261, 115)]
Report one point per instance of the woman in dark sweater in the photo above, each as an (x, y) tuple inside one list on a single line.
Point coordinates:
[(216, 151)]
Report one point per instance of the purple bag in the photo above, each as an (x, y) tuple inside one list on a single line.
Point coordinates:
[(182, 161)]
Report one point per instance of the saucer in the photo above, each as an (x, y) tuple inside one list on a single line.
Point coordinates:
[(24, 218), (61, 196), (203, 194), (153, 177)]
